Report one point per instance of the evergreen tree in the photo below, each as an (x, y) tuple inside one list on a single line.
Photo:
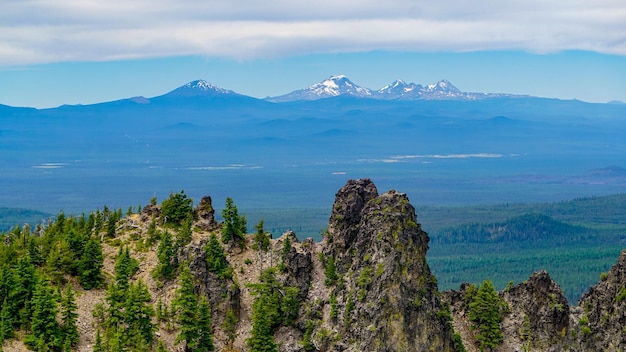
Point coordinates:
[(90, 265), (306, 342), (215, 257), (166, 254), (151, 235), (205, 338), (44, 326), (160, 347), (267, 312), (261, 238), (34, 252), (331, 272), (234, 227), (186, 306), (97, 346), (54, 266), (125, 267), (23, 290), (6, 322), (69, 317), (138, 315), (75, 243), (230, 325), (177, 208), (486, 315), (184, 235)]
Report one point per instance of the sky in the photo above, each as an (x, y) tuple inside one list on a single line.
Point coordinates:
[(55, 52)]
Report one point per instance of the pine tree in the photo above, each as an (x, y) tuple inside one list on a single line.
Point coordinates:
[(45, 329), (177, 208), (69, 317), (186, 306), (166, 254), (205, 338), (138, 315), (215, 257), (97, 346), (90, 265), (234, 227), (261, 238), (331, 272), (6, 322), (160, 347), (266, 312), (184, 235), (486, 315), (125, 267), (24, 288), (230, 325), (34, 252), (54, 266)]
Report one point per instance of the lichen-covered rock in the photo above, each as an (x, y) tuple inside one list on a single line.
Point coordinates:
[(538, 315), (603, 319), (205, 215), (222, 293), (386, 294), (298, 265), (150, 212)]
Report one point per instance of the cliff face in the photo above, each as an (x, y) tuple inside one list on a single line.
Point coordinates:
[(365, 287), (380, 255), (603, 317)]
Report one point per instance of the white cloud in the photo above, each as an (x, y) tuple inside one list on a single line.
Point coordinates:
[(40, 31)]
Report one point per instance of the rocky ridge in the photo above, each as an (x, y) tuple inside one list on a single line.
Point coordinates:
[(365, 287)]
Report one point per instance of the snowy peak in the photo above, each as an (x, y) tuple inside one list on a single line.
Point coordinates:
[(442, 86), (338, 85), (399, 89), (333, 86), (199, 88)]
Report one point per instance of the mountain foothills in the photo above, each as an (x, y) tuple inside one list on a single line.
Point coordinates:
[(169, 277)]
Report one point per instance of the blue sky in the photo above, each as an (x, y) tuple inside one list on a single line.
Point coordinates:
[(55, 52)]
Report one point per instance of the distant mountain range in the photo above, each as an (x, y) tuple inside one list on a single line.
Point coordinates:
[(398, 90), (335, 86)]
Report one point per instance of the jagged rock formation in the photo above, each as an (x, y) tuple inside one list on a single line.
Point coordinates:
[(539, 317), (365, 287), (222, 293), (387, 294), (205, 215), (538, 314), (604, 311)]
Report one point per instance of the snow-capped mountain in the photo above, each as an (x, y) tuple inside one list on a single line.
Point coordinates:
[(199, 88), (397, 90), (330, 87)]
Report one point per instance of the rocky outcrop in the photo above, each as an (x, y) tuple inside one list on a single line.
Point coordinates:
[(367, 287), (222, 293), (538, 316), (298, 266), (205, 215), (603, 319), (149, 212), (386, 296)]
